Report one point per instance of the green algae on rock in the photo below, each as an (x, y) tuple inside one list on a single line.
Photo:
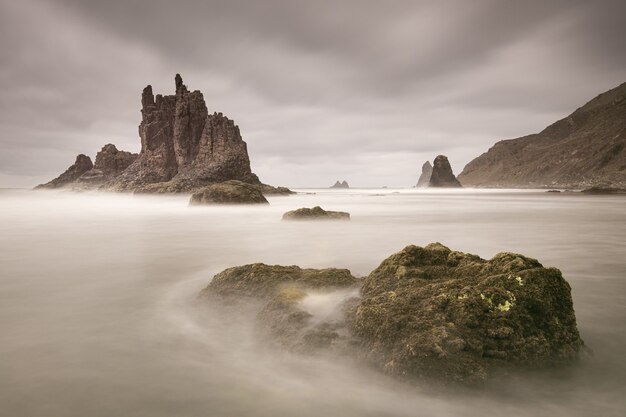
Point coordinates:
[(433, 312)]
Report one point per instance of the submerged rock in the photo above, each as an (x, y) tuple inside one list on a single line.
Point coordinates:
[(315, 213), (442, 175), (79, 167), (228, 192), (282, 319), (427, 171), (433, 312)]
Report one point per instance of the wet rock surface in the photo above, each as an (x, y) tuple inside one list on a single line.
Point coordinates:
[(315, 213), (425, 313), (228, 192)]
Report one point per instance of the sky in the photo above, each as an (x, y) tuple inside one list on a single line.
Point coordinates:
[(365, 91)]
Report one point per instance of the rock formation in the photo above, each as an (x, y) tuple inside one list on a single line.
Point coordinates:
[(81, 165), (183, 148), (585, 149), (109, 164), (315, 213), (228, 192), (438, 313), (423, 313), (427, 171), (442, 175), (342, 184)]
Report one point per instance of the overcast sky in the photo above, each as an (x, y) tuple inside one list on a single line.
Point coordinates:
[(322, 90)]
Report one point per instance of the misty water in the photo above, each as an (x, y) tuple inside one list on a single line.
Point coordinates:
[(99, 313)]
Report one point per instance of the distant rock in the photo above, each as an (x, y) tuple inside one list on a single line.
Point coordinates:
[(109, 164), (228, 192), (315, 213), (585, 149), (342, 184), (183, 148), (604, 190), (81, 165), (427, 171), (442, 175)]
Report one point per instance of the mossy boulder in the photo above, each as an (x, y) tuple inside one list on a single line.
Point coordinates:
[(281, 289), (228, 192), (433, 312), (315, 213)]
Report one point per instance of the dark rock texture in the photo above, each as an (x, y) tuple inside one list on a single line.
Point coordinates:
[(603, 190), (424, 179), (442, 175), (228, 192), (183, 147), (81, 165), (585, 149), (109, 164), (342, 184), (315, 213), (433, 312), (425, 312), (280, 289)]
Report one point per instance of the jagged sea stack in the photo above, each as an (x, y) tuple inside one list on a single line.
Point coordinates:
[(427, 171), (442, 175), (81, 165), (183, 147), (342, 184)]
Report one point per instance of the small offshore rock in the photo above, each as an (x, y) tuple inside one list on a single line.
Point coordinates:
[(228, 192), (315, 213)]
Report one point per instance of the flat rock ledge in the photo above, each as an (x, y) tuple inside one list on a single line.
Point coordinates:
[(426, 313), (315, 213), (228, 192)]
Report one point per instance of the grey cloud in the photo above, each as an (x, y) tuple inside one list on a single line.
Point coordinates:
[(318, 88)]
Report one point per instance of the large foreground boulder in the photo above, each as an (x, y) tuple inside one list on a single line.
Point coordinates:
[(433, 312), (228, 192), (315, 213), (426, 313)]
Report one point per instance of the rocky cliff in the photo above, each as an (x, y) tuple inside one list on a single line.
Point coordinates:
[(424, 179), (587, 148), (342, 184), (442, 175), (183, 148)]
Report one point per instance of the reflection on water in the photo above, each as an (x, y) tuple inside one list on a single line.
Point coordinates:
[(98, 310)]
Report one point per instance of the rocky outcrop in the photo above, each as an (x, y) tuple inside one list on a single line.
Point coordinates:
[(425, 312), (183, 148), (585, 149), (109, 164), (603, 190), (315, 213), (424, 179), (81, 165), (342, 184), (434, 312), (228, 192), (441, 175), (282, 317)]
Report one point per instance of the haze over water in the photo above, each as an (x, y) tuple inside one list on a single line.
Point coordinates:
[(99, 316)]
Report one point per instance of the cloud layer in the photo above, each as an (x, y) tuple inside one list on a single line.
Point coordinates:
[(357, 90)]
